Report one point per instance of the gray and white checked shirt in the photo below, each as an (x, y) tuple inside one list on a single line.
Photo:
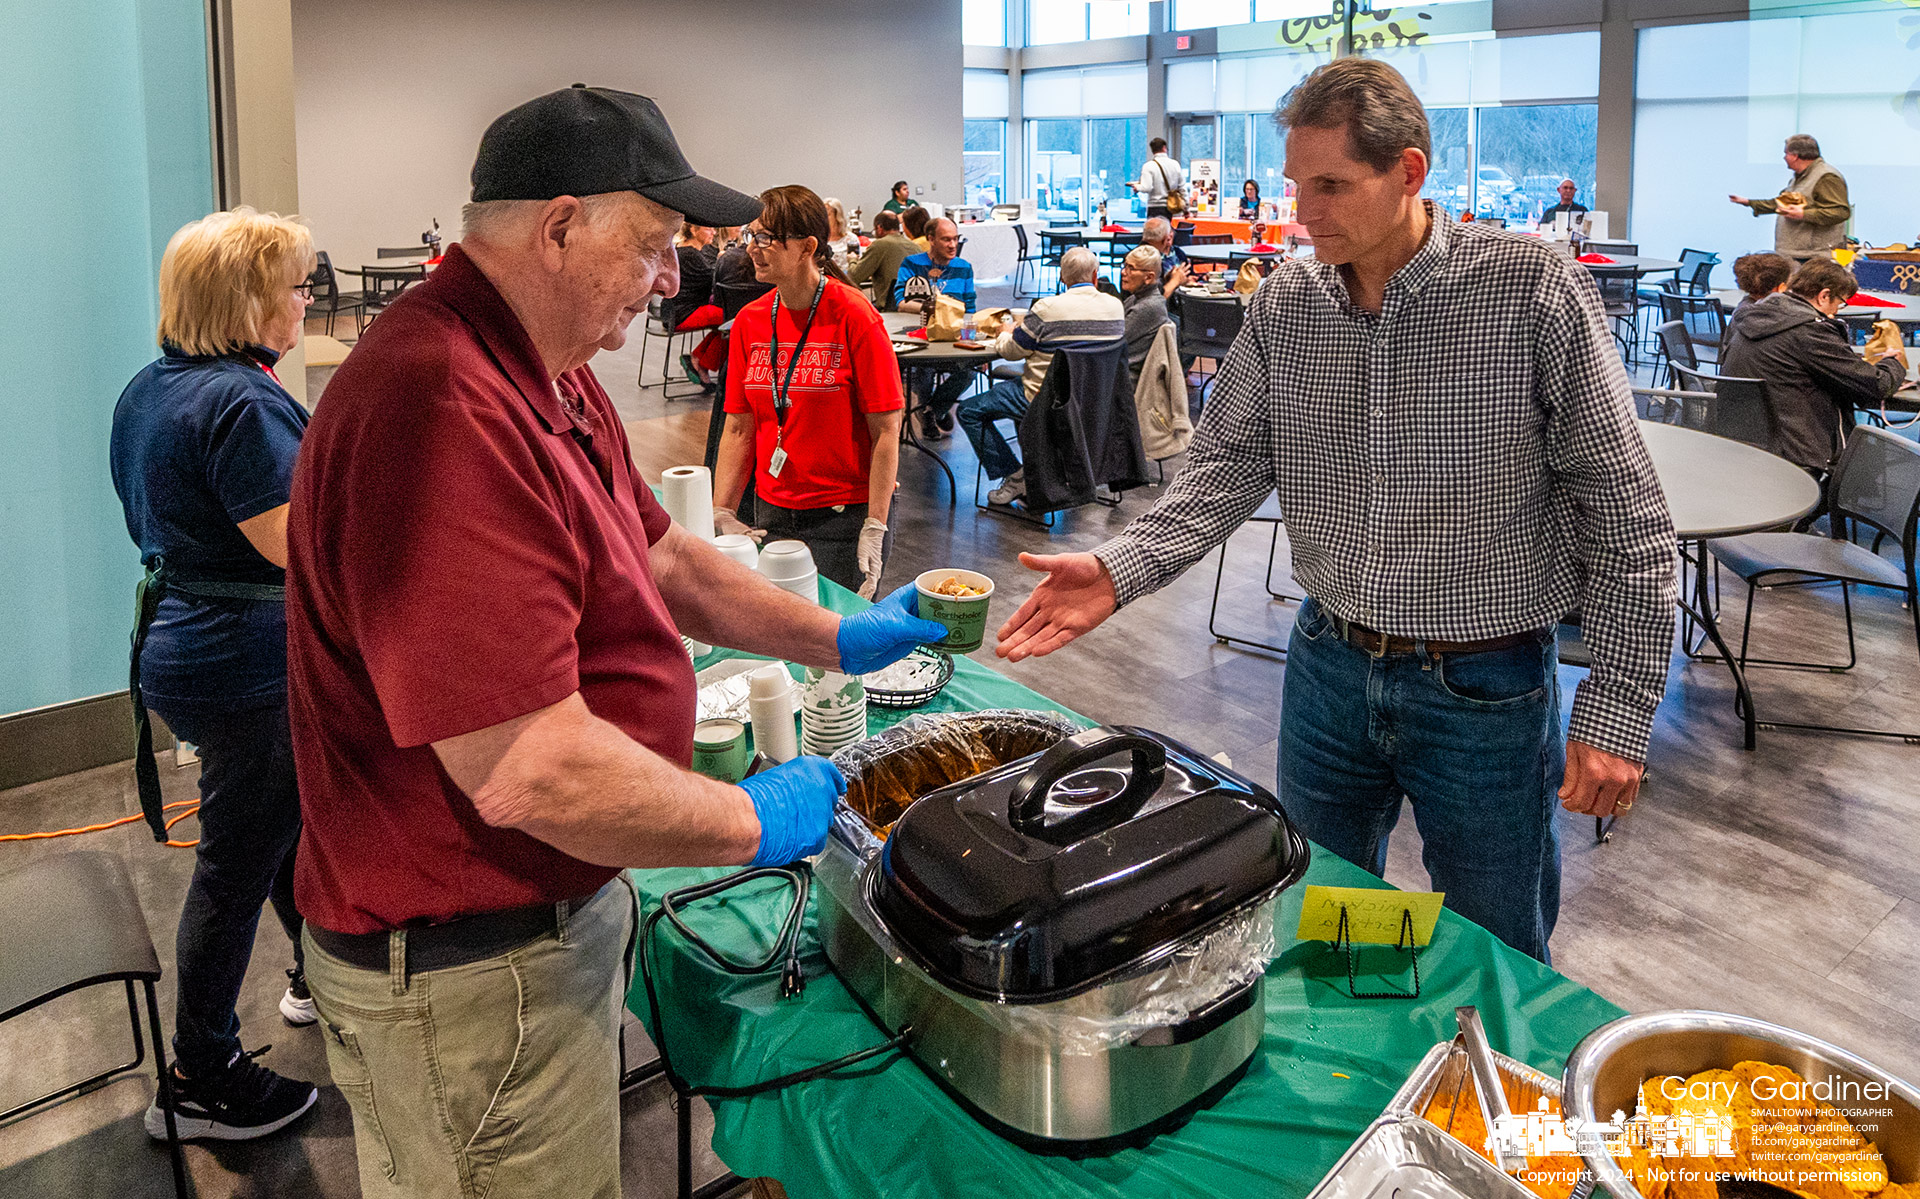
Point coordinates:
[(1466, 465)]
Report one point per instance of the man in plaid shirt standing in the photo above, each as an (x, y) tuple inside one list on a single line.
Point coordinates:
[(1453, 442)]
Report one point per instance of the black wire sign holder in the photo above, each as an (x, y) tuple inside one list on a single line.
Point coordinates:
[(1343, 937)]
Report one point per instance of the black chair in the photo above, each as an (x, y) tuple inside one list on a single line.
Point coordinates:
[(1025, 261), (72, 921), (1726, 406), (1876, 485), (421, 252), (1702, 317), (1268, 514), (1210, 239), (328, 300), (663, 321), (1208, 327), (1696, 271), (1620, 303), (381, 284), (1116, 249), (1054, 243), (732, 297), (1182, 235), (1630, 249)]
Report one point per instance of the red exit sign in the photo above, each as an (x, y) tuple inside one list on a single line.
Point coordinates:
[(1183, 42)]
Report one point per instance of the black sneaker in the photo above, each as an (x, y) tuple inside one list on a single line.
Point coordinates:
[(296, 1006), (243, 1101), (946, 421), (930, 429)]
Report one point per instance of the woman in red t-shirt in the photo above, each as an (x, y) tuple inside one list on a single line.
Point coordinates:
[(813, 401)]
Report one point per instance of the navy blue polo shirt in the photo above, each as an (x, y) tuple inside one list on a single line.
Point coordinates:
[(199, 445)]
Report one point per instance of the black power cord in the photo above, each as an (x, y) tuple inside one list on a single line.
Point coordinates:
[(786, 951)]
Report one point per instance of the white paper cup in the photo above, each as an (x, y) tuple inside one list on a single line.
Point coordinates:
[(807, 586), (739, 547), (785, 560)]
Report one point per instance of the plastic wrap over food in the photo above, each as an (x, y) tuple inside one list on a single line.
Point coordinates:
[(925, 753), (1178, 988)]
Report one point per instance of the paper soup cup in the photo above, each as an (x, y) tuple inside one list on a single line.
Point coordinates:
[(964, 616)]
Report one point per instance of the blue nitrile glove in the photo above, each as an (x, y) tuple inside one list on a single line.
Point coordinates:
[(794, 802), (885, 633)]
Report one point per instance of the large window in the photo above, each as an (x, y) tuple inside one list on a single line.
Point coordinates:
[(1511, 117), (983, 22), (983, 107), (1085, 138), (1715, 102), (984, 147), (1054, 163), (1050, 21)]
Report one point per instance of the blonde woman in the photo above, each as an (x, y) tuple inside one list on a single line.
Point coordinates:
[(202, 454), (841, 241)]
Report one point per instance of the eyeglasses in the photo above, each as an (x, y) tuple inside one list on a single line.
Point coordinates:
[(304, 290), (761, 239)]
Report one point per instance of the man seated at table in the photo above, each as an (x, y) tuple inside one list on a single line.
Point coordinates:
[(1572, 207), (940, 271), (1793, 341), (880, 265), (1080, 316), (1146, 307), (1158, 233)]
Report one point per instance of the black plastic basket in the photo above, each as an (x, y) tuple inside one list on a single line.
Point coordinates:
[(880, 698)]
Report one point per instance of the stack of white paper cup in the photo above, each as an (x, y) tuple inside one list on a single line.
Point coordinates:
[(770, 707), (739, 547), (833, 711), (686, 492), (790, 565)]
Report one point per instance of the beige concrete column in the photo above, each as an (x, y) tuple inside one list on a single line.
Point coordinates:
[(252, 50)]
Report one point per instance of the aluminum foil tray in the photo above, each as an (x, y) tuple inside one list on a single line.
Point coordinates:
[(1403, 1155)]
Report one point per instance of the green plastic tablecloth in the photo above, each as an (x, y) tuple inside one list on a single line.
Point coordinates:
[(1326, 1067)]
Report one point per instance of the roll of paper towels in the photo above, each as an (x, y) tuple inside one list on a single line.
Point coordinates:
[(687, 494)]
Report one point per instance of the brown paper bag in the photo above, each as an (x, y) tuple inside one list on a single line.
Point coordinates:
[(943, 323), (1248, 280), (1884, 340)]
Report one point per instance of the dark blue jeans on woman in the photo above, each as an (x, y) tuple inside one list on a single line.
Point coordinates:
[(249, 824), (1472, 739)]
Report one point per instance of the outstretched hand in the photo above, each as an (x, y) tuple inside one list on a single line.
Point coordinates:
[(1076, 595)]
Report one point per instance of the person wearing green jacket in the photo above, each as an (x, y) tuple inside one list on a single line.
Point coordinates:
[(882, 260), (1816, 227)]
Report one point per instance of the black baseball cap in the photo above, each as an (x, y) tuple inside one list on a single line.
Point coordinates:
[(583, 141)]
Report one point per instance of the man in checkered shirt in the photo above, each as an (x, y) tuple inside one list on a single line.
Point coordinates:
[(1453, 442)]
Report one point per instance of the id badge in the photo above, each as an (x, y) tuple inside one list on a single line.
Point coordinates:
[(776, 463)]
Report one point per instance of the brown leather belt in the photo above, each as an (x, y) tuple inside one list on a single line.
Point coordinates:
[(1380, 644)]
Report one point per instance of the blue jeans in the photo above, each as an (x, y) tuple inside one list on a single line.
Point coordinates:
[(249, 824), (941, 389), (1472, 739), (1006, 399)]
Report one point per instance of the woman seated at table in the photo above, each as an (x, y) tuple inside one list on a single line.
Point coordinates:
[(1793, 343), (813, 401), (1250, 201), (917, 222), (691, 307), (1759, 276), (841, 240)]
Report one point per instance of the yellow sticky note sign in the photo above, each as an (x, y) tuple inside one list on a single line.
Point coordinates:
[(1373, 916)]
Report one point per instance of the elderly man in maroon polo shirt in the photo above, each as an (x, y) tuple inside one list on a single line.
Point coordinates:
[(492, 710)]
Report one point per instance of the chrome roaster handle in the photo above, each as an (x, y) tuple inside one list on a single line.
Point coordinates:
[(1027, 801)]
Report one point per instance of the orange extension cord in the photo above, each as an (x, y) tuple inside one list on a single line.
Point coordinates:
[(192, 806)]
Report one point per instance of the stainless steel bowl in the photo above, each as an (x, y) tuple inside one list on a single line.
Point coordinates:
[(1605, 1072)]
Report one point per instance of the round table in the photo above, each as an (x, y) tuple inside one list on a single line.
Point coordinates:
[(1905, 309), (1638, 265), (1227, 253), (943, 355), (1716, 487)]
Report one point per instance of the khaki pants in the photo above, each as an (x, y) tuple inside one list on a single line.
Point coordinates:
[(497, 1078)]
